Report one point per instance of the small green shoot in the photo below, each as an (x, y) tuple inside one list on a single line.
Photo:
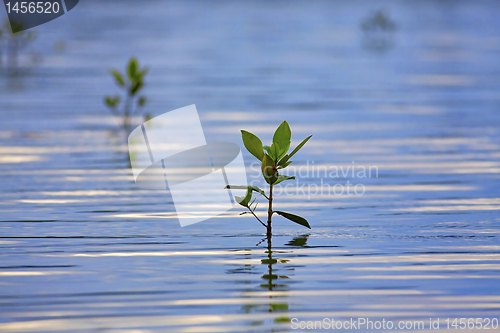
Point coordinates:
[(273, 158), (132, 82), (15, 43)]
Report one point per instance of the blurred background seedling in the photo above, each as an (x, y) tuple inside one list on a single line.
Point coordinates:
[(378, 31), (131, 103), (13, 44)]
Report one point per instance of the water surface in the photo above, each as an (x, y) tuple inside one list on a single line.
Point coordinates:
[(84, 249)]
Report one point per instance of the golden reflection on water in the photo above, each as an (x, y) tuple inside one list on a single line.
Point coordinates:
[(417, 258), (53, 201), (188, 320), (7, 159)]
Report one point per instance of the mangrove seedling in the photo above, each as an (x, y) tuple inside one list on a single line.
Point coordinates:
[(273, 159), (378, 29), (14, 44), (132, 83)]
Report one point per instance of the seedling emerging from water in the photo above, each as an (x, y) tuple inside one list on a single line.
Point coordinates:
[(132, 83), (273, 159)]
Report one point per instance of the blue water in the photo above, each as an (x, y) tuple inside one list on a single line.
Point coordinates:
[(83, 248)]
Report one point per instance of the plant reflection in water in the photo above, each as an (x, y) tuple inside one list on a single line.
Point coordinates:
[(276, 278)]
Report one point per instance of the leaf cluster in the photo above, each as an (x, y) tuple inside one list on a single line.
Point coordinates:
[(275, 156), (132, 81), (17, 40)]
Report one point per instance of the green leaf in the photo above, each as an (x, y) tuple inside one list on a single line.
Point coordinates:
[(268, 149), (269, 170), (253, 144), (135, 88), (108, 101), (246, 199), (141, 101), (118, 77), (299, 146), (283, 161), (294, 218), (243, 187), (283, 152), (133, 68), (141, 74), (284, 165), (283, 178), (275, 151), (282, 137), (239, 199), (112, 101)]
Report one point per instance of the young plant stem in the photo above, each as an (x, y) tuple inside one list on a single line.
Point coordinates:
[(253, 213), (126, 116), (270, 213)]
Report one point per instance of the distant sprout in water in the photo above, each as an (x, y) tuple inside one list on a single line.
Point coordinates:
[(273, 159), (14, 43), (59, 46), (132, 83), (378, 29)]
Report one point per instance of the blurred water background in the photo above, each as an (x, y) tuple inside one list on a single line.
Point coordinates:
[(411, 87)]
